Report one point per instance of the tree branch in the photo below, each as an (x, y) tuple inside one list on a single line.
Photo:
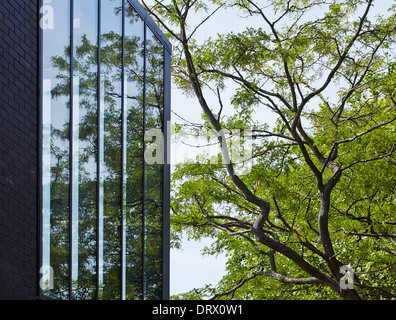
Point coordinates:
[(341, 60)]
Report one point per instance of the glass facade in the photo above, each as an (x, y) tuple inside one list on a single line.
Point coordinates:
[(105, 83)]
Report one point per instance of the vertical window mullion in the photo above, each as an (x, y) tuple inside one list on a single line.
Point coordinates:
[(123, 161)]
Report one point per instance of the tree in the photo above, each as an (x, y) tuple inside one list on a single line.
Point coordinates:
[(320, 192)]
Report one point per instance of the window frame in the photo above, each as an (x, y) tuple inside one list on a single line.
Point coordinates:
[(148, 23)]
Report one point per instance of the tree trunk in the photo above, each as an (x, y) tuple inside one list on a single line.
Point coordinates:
[(332, 262)]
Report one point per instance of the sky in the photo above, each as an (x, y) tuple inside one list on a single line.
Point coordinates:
[(189, 269)]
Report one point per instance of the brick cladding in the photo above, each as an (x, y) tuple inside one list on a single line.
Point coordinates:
[(18, 149)]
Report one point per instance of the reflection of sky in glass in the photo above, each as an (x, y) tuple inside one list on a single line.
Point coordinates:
[(133, 157), (85, 38)]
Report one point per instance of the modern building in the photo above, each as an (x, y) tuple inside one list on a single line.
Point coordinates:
[(84, 196)]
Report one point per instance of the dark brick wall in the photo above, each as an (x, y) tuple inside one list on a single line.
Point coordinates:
[(18, 148)]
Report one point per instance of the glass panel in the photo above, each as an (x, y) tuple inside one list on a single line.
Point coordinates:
[(56, 150), (85, 84), (111, 158), (133, 208), (111, 69), (154, 168)]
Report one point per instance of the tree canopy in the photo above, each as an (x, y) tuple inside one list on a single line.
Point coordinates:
[(319, 195)]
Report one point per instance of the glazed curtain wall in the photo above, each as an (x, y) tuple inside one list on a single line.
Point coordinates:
[(102, 88)]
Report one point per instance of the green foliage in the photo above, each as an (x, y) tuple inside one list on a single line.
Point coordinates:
[(326, 70)]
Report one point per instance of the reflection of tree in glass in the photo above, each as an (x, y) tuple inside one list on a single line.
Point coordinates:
[(85, 67), (133, 207), (154, 173)]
